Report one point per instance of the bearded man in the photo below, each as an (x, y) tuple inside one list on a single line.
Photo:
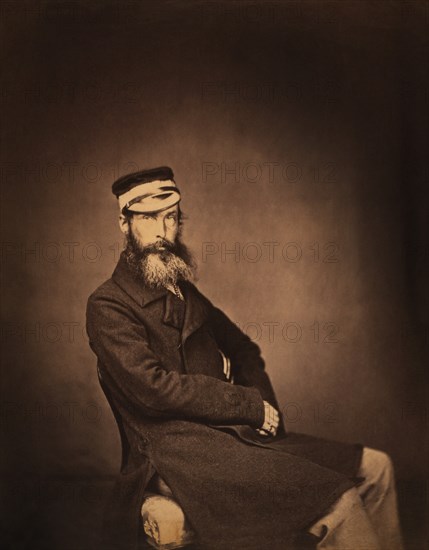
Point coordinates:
[(206, 458)]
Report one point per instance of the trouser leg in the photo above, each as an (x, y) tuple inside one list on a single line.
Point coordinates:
[(365, 517), (346, 526), (378, 494)]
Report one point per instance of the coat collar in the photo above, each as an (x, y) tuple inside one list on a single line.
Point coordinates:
[(195, 310)]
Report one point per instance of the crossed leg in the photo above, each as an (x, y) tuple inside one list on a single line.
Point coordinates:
[(365, 517)]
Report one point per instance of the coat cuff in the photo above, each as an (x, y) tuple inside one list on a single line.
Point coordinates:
[(247, 404)]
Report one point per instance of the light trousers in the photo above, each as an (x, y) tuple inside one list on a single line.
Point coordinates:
[(365, 517)]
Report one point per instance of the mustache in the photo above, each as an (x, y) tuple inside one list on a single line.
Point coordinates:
[(161, 244), (161, 247)]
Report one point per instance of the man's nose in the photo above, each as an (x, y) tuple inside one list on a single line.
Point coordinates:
[(161, 228)]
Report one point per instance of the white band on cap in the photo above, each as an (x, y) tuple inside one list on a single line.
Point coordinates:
[(152, 194)]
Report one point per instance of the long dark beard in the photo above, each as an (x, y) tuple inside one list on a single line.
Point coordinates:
[(158, 267)]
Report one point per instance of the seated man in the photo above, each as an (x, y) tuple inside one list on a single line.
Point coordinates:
[(234, 478)]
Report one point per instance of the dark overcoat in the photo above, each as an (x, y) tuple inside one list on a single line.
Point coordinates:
[(160, 366)]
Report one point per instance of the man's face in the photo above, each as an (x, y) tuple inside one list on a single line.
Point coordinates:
[(154, 228), (154, 250)]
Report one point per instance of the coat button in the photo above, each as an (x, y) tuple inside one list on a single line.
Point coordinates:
[(142, 444)]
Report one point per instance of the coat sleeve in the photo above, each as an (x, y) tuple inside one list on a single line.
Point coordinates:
[(121, 344), (247, 365)]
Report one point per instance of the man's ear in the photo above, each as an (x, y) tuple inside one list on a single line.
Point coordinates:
[(123, 224)]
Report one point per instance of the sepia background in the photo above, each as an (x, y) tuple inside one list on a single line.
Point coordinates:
[(296, 131)]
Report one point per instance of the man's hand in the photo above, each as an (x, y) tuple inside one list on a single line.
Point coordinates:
[(271, 422)]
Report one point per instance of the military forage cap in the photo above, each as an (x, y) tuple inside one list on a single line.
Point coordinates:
[(147, 191)]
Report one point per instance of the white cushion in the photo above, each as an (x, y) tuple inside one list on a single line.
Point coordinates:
[(164, 523)]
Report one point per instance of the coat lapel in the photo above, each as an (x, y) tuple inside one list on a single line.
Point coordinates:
[(173, 313), (195, 312)]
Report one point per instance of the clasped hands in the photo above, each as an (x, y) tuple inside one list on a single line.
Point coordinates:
[(271, 420)]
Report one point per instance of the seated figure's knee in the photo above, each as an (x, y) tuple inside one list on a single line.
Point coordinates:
[(335, 515), (164, 522), (345, 525), (377, 469), (376, 464)]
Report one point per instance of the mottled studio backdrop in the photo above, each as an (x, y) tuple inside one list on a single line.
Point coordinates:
[(296, 131)]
